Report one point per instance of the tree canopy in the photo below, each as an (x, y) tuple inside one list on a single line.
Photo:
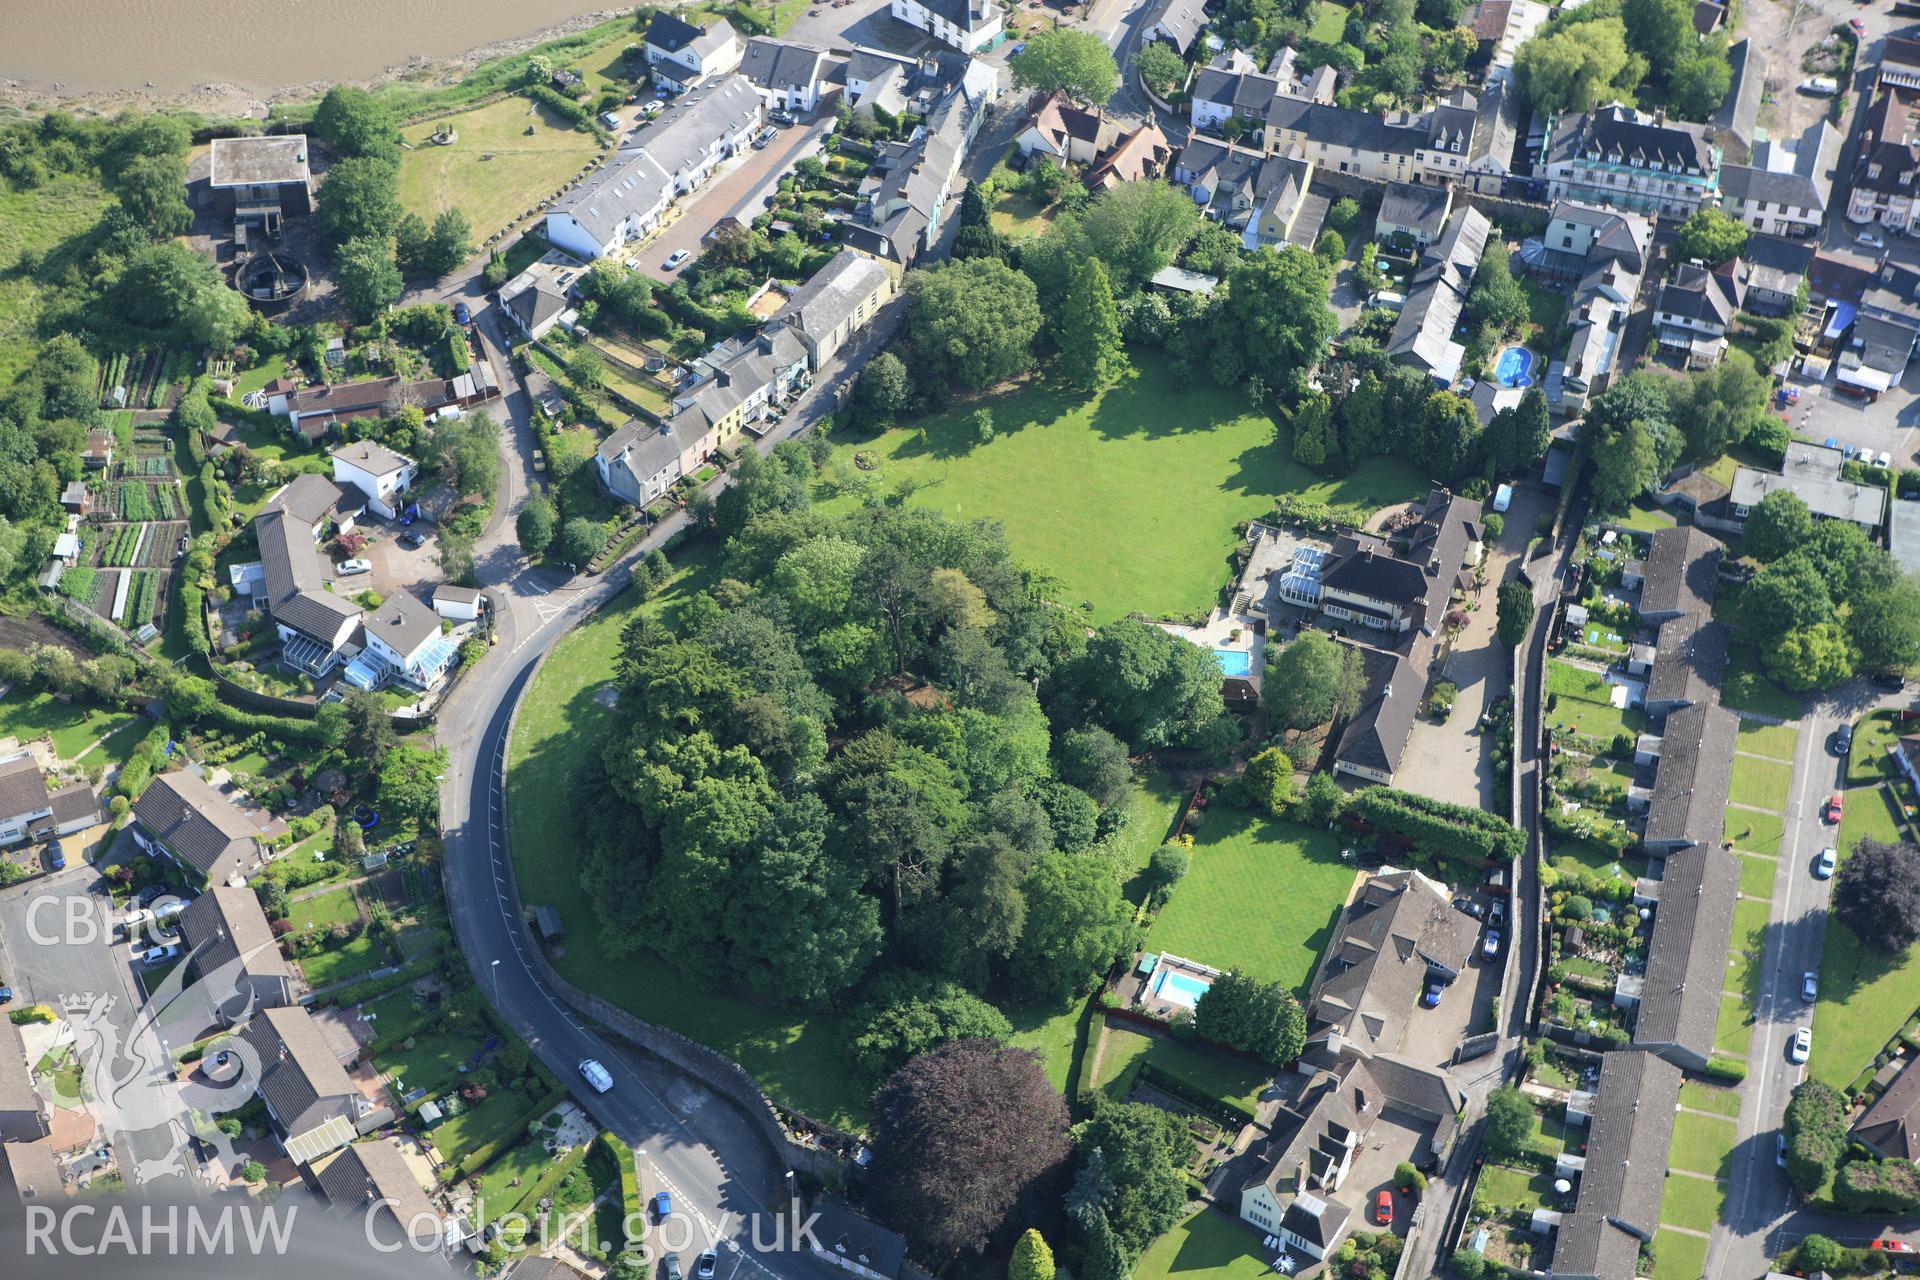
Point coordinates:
[(1077, 63), (971, 324), (1876, 893), (1313, 680), (1709, 236)]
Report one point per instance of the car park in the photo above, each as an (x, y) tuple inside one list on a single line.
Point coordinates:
[(1883, 459), (1832, 811), (1824, 864), (596, 1075), (1383, 1208), (1809, 986), (675, 258), (348, 568), (1801, 1046)]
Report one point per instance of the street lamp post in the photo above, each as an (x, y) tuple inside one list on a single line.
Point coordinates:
[(496, 984)]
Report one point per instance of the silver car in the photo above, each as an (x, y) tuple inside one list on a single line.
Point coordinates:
[(1809, 986), (1801, 1046)]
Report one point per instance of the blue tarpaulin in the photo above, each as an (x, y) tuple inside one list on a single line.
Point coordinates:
[(1843, 314)]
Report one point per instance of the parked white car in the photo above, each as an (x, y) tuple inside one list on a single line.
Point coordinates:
[(675, 258), (1883, 459), (1801, 1046), (350, 567), (595, 1075), (1823, 866)]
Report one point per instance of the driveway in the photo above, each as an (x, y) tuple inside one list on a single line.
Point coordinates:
[(736, 192), (1889, 423), (395, 568), (866, 23), (1450, 761)]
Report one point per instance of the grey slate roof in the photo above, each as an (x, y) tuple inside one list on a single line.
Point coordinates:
[(1628, 1138), (667, 32), (309, 498), (1310, 1137), (1692, 934), (1812, 472), (402, 622), (1376, 734), (782, 64), (295, 576), (1618, 133), (226, 924), (1710, 297), (1247, 93), (1891, 1126), (29, 1171), (16, 1073), (1739, 111), (1420, 208), (1680, 572), (1425, 327), (1181, 20), (1688, 661), (23, 789), (300, 1077), (1799, 177), (366, 1173), (197, 823), (1376, 964), (835, 292)]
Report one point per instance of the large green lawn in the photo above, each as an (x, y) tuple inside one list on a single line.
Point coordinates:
[(1866, 996), (1677, 1256), (73, 726), (1747, 688), (1208, 1243), (507, 155), (1754, 831), (43, 232), (1583, 700), (1702, 1144), (1692, 1202), (1212, 1074), (1260, 894), (1762, 784), (1775, 741), (1129, 498)]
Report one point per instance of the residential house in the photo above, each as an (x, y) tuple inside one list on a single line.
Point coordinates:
[(640, 461), (316, 625), (1174, 22), (836, 303), (1500, 27), (29, 811), (1776, 272), (1678, 575), (1399, 930), (182, 816), (1220, 95), (23, 1118), (1625, 159), (262, 181), (1396, 601), (1172, 279), (1900, 61), (1629, 1135), (1784, 191), (1602, 255), (1679, 1001), (1398, 147), (970, 26), (1812, 473), (905, 195), (29, 1172), (736, 385), (845, 1239), (1889, 157), (1694, 311), (1062, 132), (1312, 1148), (458, 604), (1412, 215), (1285, 210), (1220, 176), (788, 75), (1580, 237), (682, 54), (875, 79), (1736, 121), (365, 1177), (625, 198), (1890, 1128), (538, 298), (313, 1107), (1884, 332), (1423, 335), (316, 410), (382, 476), (232, 954), (1141, 155), (403, 642)]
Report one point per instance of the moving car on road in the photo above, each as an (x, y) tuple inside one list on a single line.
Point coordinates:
[(1871, 240), (1824, 864), (596, 1075), (1801, 1046)]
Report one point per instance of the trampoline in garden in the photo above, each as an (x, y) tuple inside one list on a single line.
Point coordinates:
[(366, 817), (1514, 368)]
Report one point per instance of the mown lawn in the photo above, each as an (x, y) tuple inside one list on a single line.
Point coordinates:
[(1775, 741), (1583, 702), (1678, 1257), (1734, 1031), (1259, 894), (1755, 832), (479, 1125), (1215, 1075), (1762, 784), (73, 726), (495, 169), (1210, 1244), (1708, 1097), (1329, 22), (1507, 1188), (1130, 497), (1867, 759), (1757, 876), (336, 906), (1866, 996), (433, 1063), (1692, 1202), (1018, 215), (348, 960), (1746, 687), (1701, 1144)]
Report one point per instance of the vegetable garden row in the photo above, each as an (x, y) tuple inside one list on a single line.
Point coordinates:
[(142, 501), (129, 597)]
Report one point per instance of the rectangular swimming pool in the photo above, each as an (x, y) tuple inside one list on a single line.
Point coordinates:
[(1234, 662), (1180, 988)]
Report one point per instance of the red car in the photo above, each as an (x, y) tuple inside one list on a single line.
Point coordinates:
[(1891, 1246), (1830, 812), (1859, 27), (1383, 1208)]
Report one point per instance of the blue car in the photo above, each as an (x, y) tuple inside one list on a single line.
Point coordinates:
[(461, 315), (662, 1205)]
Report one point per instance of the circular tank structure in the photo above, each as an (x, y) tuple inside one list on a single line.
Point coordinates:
[(270, 282)]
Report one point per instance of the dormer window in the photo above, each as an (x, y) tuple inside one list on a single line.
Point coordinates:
[(1873, 170)]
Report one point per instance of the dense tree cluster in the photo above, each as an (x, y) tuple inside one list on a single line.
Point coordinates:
[(1815, 1128), (1260, 1018), (1827, 601), (1076, 63), (1129, 1183), (1877, 894), (1602, 52)]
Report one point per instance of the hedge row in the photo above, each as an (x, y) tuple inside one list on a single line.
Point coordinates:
[(1724, 1067), (550, 1178), (622, 1156), (580, 117), (375, 987), (284, 727), (1440, 828), (1187, 1091), (483, 1155), (1878, 1186)]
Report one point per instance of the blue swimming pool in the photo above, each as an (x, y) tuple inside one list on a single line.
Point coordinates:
[(1233, 662), (1180, 988), (1514, 368)]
